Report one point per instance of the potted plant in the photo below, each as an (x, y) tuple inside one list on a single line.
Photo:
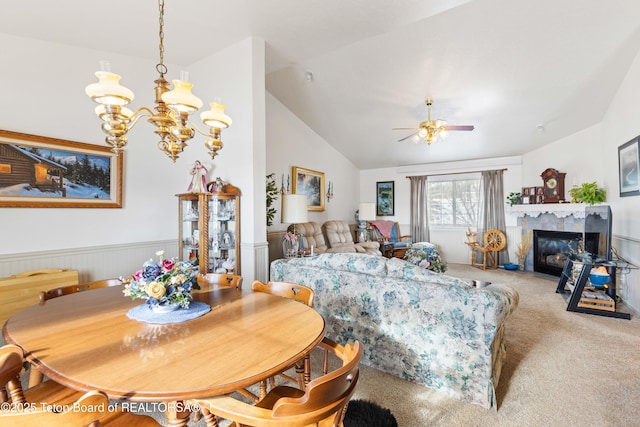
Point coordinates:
[(588, 193), (272, 195), (514, 198)]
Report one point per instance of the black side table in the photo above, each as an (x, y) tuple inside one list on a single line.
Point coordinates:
[(583, 277), (386, 249)]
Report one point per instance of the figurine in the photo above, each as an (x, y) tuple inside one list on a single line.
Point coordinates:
[(199, 179)]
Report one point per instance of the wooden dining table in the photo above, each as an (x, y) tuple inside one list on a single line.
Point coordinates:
[(85, 341)]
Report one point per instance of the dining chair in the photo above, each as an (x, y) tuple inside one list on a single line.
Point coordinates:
[(221, 279), (322, 402), (35, 376), (72, 289), (34, 405)]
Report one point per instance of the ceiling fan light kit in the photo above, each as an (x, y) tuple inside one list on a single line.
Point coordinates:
[(429, 130)]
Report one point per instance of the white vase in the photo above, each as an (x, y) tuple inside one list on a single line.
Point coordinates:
[(165, 308), (290, 248)]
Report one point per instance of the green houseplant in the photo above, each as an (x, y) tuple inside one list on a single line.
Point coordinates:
[(588, 193), (272, 195), (514, 198)]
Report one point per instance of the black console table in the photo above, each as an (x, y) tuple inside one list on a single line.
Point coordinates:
[(575, 299)]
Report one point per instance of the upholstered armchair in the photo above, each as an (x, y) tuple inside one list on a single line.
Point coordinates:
[(340, 239), (312, 236), (389, 231)]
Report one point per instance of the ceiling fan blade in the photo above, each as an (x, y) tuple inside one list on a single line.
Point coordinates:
[(407, 137), (459, 127)]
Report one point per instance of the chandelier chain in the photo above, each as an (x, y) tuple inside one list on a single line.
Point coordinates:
[(161, 68)]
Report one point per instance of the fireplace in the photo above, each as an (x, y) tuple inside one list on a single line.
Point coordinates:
[(552, 248)]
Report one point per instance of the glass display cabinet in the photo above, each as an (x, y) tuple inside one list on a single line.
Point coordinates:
[(209, 228)]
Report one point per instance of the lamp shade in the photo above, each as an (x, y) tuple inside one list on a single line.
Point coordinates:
[(294, 208), (367, 212), (181, 99), (108, 90), (215, 117)]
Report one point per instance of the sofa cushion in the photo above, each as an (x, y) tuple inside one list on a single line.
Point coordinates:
[(405, 270), (340, 239), (312, 236), (366, 263), (426, 255)]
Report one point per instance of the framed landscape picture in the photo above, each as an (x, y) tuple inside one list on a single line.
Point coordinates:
[(42, 172), (310, 183), (384, 198), (629, 168)]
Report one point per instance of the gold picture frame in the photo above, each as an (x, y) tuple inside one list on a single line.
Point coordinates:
[(311, 184), (42, 172)]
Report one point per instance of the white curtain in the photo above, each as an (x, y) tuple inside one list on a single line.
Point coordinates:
[(419, 209), (491, 207)]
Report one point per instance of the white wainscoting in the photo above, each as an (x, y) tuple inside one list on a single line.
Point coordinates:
[(92, 263), (105, 262), (628, 280)]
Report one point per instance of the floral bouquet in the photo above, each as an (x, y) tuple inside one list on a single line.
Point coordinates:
[(163, 283), (290, 244)]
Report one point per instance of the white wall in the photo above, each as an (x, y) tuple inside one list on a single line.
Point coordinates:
[(580, 156), (292, 143), (42, 86)]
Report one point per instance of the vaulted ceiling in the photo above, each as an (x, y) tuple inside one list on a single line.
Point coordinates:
[(525, 73)]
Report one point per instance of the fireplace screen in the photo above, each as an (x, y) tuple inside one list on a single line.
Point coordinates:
[(552, 248)]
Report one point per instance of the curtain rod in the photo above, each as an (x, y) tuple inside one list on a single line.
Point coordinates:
[(456, 173)]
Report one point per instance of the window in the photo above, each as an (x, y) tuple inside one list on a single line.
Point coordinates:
[(453, 202)]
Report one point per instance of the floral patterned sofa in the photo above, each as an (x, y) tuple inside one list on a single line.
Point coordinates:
[(422, 326)]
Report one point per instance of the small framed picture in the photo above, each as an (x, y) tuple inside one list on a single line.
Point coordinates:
[(385, 198), (629, 168)]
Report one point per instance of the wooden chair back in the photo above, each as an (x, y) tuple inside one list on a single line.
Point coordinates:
[(323, 401), (95, 404), (221, 279), (11, 362), (90, 414), (294, 291), (72, 289)]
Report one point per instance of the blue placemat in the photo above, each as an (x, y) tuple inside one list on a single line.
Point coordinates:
[(143, 313)]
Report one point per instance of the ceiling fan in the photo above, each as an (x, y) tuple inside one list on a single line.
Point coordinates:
[(430, 129)]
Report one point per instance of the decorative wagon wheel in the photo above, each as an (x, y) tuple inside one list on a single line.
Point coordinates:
[(494, 240)]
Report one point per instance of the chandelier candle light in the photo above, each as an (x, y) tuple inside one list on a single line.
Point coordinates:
[(172, 110), (329, 191)]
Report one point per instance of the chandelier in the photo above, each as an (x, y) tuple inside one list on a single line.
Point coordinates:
[(170, 115)]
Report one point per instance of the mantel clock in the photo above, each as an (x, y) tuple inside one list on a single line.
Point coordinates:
[(553, 186)]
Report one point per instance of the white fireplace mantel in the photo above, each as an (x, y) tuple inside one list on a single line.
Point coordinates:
[(560, 210)]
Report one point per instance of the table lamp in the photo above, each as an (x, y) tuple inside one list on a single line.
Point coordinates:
[(294, 211), (366, 213)]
